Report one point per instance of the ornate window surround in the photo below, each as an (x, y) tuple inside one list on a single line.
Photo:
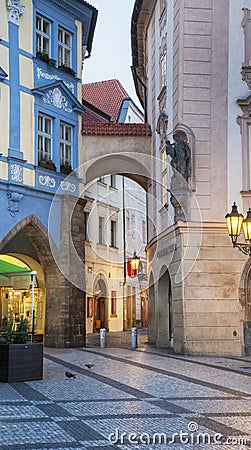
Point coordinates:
[(245, 126), (246, 65)]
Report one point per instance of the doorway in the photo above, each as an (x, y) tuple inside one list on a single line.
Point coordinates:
[(100, 306)]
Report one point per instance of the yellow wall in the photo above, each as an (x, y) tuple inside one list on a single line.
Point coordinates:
[(27, 143), (4, 57), (4, 118), (79, 54), (26, 72), (3, 22), (3, 170), (26, 25), (29, 177)]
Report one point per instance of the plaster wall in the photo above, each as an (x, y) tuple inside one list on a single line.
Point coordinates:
[(237, 88), (79, 52), (27, 134), (214, 318), (26, 28), (26, 72), (4, 58), (29, 177), (3, 170), (4, 117)]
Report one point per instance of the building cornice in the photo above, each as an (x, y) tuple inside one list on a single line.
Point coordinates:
[(140, 19)]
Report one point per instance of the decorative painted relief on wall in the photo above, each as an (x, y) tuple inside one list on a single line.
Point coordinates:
[(67, 186), (58, 95), (52, 76), (15, 10), (14, 199), (16, 173), (56, 98), (46, 180)]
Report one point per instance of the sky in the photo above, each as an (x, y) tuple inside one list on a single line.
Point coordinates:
[(111, 49)]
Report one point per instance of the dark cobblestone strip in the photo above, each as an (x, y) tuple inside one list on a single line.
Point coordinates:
[(171, 407), (54, 410), (115, 384), (201, 363), (80, 431), (171, 374), (28, 392)]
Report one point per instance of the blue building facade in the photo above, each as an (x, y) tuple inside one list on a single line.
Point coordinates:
[(42, 46)]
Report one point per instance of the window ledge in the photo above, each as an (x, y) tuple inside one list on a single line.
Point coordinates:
[(113, 248)]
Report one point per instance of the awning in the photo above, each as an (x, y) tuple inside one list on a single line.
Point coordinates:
[(8, 270)]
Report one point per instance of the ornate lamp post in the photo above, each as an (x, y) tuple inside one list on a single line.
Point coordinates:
[(135, 260), (236, 223)]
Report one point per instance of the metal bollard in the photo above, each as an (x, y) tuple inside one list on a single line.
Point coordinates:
[(134, 338), (102, 337)]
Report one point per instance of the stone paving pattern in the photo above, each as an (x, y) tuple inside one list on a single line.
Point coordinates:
[(144, 391)]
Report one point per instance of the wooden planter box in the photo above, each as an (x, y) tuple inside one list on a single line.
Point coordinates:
[(21, 362)]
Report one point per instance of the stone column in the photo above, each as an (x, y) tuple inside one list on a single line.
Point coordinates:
[(66, 298)]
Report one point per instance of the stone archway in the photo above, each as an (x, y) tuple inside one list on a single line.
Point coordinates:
[(65, 303), (164, 325), (245, 302)]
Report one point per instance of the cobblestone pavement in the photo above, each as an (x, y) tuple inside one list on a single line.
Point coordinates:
[(141, 399)]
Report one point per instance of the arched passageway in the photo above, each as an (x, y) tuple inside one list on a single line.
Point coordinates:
[(245, 303), (165, 313), (59, 303)]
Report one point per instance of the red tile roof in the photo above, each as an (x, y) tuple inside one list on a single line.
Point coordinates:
[(90, 116), (121, 129), (106, 96)]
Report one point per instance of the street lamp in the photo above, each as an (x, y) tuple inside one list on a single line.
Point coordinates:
[(236, 222), (135, 260)]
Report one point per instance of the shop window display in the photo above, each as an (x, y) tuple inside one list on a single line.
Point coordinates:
[(16, 302)]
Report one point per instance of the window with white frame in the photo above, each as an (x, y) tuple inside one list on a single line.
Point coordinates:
[(164, 177), (101, 230), (66, 144), (43, 35), (64, 48), (44, 138), (162, 69), (113, 233)]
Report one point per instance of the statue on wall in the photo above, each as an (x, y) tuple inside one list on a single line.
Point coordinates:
[(180, 153)]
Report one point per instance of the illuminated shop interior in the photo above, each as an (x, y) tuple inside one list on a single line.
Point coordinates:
[(16, 294)]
